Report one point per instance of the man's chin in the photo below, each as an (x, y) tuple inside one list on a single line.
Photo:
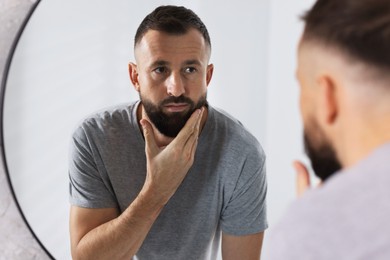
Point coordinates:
[(323, 158), (179, 114), (172, 124)]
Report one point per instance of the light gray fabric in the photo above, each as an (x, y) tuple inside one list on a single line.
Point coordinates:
[(347, 218), (224, 190)]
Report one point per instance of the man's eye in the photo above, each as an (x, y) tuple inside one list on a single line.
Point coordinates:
[(160, 70), (190, 70)]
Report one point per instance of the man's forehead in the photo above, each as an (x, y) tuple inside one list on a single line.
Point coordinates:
[(156, 43), (191, 33)]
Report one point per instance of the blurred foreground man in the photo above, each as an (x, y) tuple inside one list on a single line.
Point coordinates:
[(167, 176), (344, 75)]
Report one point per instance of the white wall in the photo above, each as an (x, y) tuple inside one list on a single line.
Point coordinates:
[(72, 60), (283, 124)]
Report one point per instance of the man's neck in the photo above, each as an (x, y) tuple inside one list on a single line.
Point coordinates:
[(360, 141)]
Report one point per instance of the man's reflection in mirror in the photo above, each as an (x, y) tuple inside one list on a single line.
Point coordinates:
[(168, 176)]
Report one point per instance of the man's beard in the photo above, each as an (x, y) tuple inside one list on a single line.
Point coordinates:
[(321, 154), (171, 124)]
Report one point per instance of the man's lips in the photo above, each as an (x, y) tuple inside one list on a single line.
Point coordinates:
[(176, 107)]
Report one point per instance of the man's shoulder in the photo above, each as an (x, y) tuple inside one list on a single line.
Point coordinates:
[(109, 118), (117, 114), (340, 208), (234, 129), (114, 114), (307, 224), (221, 116), (324, 202)]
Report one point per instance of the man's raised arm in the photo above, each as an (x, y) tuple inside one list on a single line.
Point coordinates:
[(106, 234)]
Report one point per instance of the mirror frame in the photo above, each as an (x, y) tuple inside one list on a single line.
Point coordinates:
[(15, 15)]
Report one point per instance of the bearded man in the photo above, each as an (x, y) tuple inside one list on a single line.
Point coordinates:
[(343, 71), (169, 176)]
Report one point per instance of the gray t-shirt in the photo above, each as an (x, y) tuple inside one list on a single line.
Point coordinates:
[(348, 217), (225, 189)]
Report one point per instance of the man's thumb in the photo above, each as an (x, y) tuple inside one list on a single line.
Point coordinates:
[(151, 147), (303, 177)]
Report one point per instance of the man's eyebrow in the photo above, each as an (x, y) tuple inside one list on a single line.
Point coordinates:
[(159, 63), (192, 62)]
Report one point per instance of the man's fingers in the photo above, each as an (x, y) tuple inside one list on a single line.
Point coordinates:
[(189, 128), (191, 144), (303, 177), (151, 147), (192, 139)]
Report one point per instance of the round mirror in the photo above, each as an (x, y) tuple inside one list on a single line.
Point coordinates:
[(71, 60)]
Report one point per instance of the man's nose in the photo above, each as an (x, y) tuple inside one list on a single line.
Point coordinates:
[(175, 85)]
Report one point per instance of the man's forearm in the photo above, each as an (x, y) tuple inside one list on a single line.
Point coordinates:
[(121, 237)]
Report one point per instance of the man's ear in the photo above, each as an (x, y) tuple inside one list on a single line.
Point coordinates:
[(328, 100), (209, 73), (133, 73)]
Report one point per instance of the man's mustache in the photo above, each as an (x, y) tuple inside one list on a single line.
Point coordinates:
[(180, 99)]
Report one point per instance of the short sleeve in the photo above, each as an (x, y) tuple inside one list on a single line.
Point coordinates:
[(246, 210), (89, 186)]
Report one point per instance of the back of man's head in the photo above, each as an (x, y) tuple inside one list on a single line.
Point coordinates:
[(343, 70), (176, 20), (358, 28)]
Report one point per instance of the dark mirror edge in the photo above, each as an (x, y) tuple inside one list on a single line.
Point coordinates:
[(7, 65)]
